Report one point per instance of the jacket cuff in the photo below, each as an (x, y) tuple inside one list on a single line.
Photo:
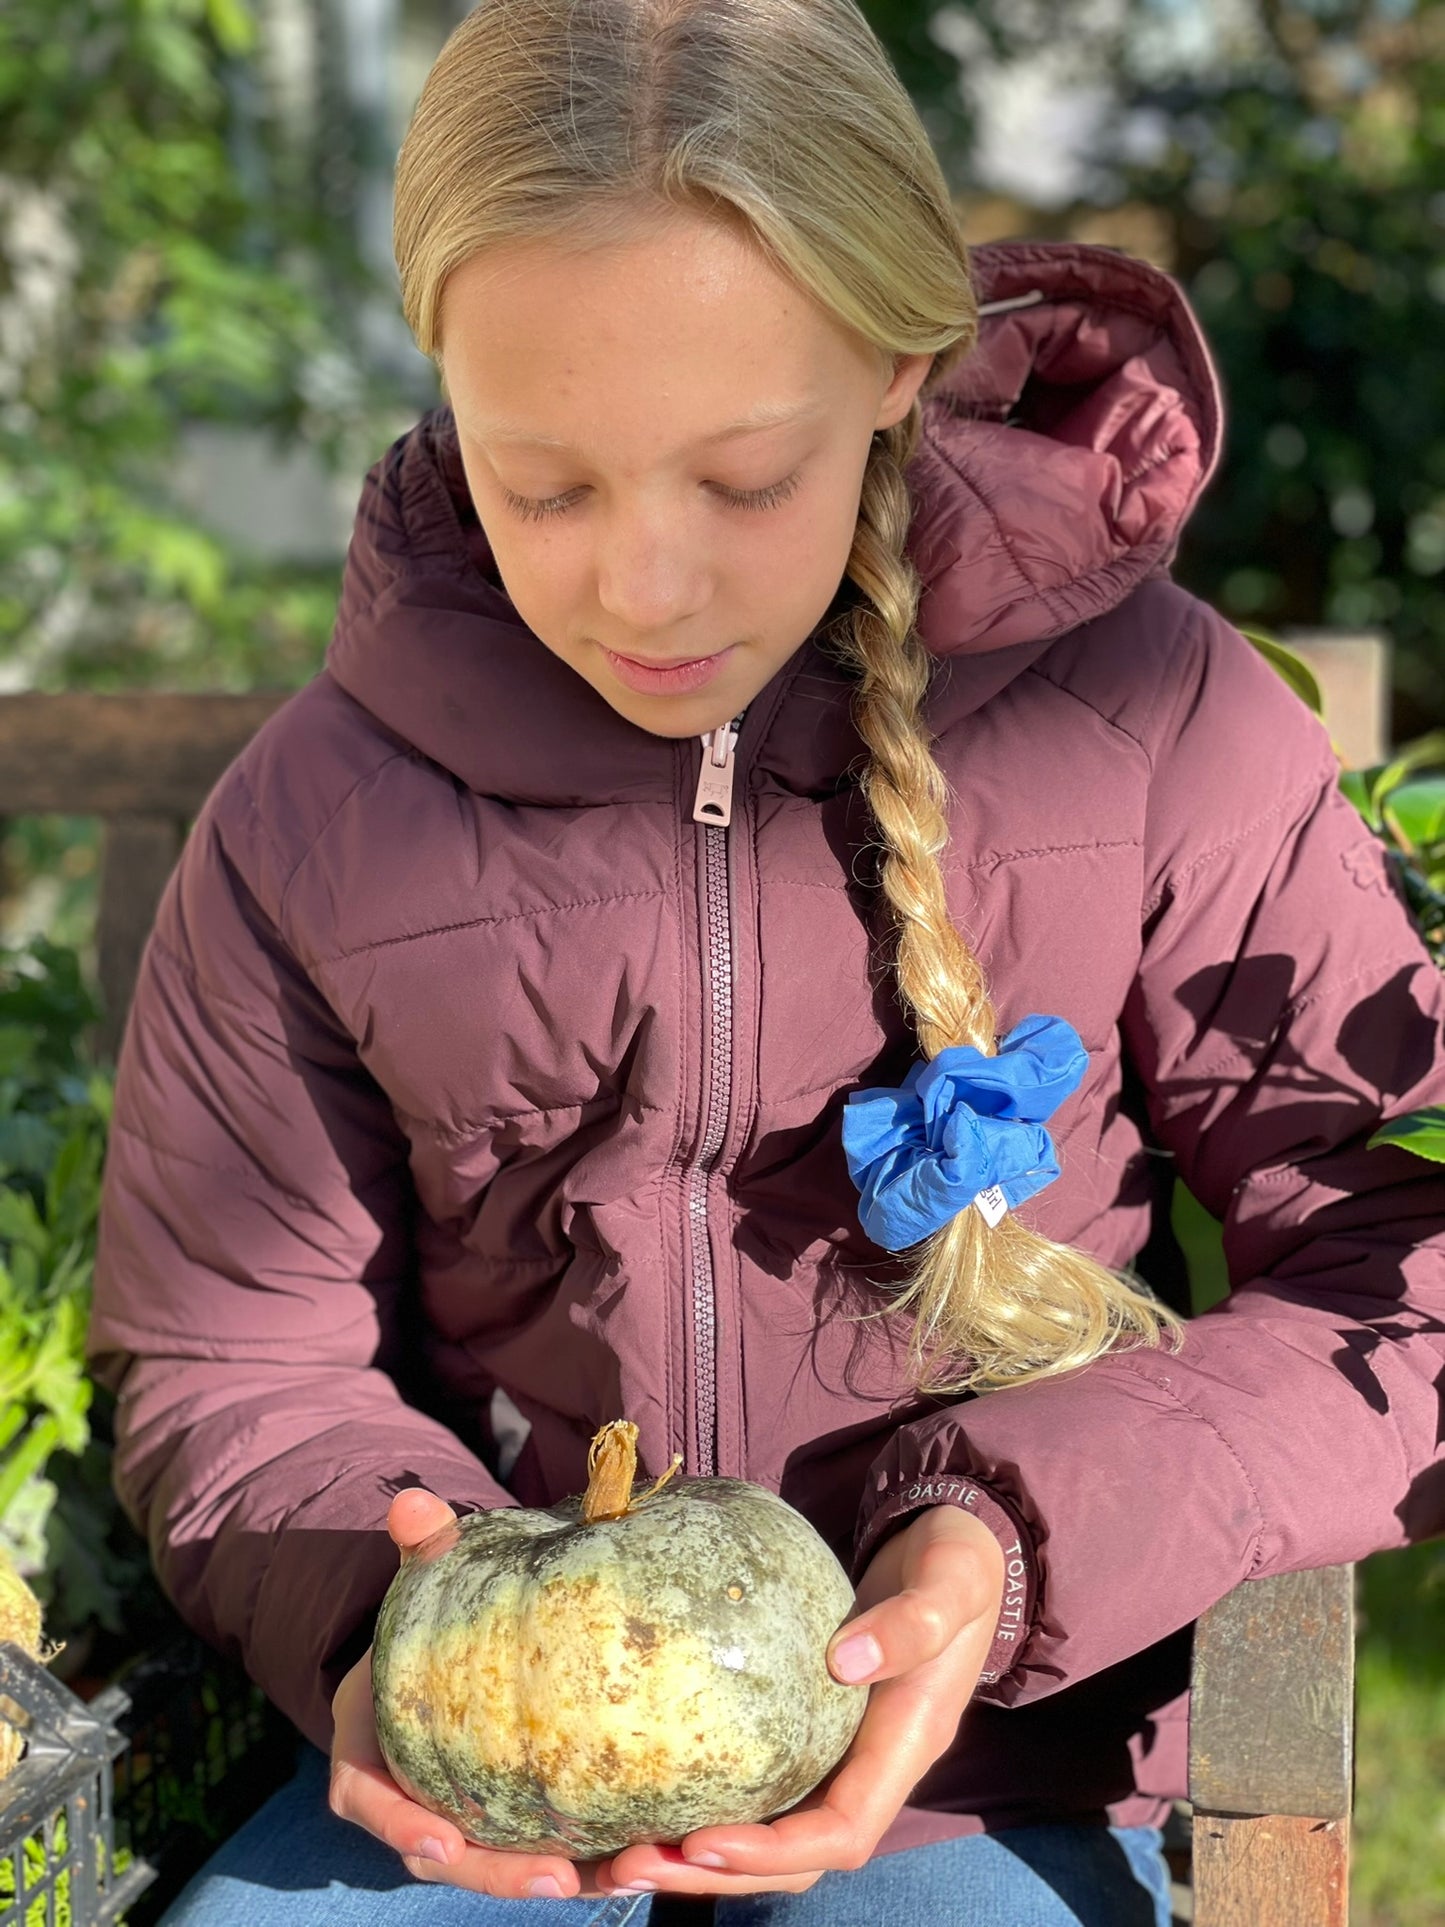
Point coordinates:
[(894, 1502)]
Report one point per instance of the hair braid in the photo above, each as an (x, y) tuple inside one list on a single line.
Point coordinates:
[(991, 1306)]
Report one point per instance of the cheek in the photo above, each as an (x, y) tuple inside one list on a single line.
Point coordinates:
[(805, 560), (542, 584)]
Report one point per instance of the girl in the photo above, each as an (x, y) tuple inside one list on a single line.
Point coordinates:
[(769, 873)]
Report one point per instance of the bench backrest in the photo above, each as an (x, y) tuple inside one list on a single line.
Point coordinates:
[(143, 764)]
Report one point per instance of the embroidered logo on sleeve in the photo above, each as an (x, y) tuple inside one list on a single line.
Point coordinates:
[(1366, 865)]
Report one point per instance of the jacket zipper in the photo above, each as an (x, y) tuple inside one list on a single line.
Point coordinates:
[(712, 807)]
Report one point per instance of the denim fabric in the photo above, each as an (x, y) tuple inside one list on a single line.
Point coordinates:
[(294, 1864)]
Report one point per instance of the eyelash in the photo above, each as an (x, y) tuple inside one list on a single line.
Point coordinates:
[(760, 498)]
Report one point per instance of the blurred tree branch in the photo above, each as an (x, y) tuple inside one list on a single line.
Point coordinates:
[(161, 263)]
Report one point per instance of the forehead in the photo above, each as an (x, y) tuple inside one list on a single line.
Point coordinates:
[(764, 417), (688, 324)]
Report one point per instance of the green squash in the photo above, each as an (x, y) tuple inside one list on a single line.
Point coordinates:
[(614, 1669)]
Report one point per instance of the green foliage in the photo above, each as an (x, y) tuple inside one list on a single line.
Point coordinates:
[(54, 1112), (1398, 1866), (1292, 667), (37, 1865), (1303, 176), (1422, 1132), (1403, 801), (166, 263)]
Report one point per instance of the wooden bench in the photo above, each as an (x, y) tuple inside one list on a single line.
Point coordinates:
[(1272, 1696)]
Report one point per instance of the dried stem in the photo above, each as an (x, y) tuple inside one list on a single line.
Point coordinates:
[(611, 1469)]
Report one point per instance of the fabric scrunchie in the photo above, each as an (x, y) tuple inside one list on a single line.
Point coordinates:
[(962, 1129)]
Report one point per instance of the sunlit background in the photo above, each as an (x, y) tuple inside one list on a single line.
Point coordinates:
[(201, 353)]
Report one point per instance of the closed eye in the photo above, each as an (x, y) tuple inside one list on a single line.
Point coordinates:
[(532, 510)]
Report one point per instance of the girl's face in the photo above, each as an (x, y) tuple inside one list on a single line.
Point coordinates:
[(638, 522)]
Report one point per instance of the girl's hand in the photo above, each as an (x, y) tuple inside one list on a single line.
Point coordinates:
[(363, 1791), (930, 1601)]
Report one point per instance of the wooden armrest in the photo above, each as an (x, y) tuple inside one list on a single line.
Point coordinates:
[(1271, 1749)]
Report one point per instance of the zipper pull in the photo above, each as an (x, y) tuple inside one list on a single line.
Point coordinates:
[(714, 800)]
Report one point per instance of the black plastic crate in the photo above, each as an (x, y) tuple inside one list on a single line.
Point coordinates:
[(58, 1853), (118, 1802)]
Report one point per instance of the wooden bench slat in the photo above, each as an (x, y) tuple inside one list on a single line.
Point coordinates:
[(1270, 1872), (96, 755), (138, 854), (1273, 1714)]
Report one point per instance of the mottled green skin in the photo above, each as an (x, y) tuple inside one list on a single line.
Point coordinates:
[(787, 1721)]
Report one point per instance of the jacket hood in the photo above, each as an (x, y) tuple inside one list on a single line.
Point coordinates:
[(1057, 465)]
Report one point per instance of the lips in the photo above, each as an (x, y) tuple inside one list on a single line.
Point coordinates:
[(679, 678), (646, 662)]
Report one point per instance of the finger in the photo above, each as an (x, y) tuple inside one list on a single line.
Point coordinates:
[(504, 1876), (364, 1792), (367, 1796), (416, 1514), (662, 1870)]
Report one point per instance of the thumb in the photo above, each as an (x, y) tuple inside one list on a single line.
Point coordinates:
[(415, 1514), (929, 1582)]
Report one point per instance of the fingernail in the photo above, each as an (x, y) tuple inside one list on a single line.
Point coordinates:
[(430, 1849), (637, 1887), (854, 1659), (706, 1860), (546, 1886)]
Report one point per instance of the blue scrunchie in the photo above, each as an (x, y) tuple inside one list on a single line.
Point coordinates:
[(959, 1124)]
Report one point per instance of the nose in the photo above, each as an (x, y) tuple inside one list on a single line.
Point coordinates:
[(651, 575)]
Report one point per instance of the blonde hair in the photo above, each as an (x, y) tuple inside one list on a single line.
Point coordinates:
[(576, 121)]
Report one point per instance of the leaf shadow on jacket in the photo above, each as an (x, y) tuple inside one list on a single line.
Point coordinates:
[(1387, 1045)]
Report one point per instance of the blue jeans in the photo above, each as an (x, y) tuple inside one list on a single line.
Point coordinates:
[(294, 1864)]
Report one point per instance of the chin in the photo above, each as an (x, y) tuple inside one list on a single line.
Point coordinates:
[(677, 717), (668, 716)]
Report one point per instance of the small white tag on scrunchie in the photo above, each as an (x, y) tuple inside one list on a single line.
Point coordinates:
[(991, 1205)]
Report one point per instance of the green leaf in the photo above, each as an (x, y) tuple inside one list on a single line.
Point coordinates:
[(23, 1531), (25, 1460), (1355, 785), (233, 26), (1368, 789), (1294, 669), (25, 1273), (21, 1223), (27, 1144), (72, 1188), (78, 1559), (17, 1049), (1416, 813), (1423, 753), (1422, 1132)]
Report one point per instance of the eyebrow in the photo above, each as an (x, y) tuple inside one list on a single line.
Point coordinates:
[(765, 415)]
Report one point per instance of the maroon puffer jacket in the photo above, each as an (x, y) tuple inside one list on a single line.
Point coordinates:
[(474, 1094)]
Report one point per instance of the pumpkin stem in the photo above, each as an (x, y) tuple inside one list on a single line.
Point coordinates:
[(662, 1479), (611, 1469)]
